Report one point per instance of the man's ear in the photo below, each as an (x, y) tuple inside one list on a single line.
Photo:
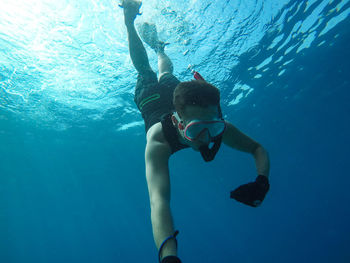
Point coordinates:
[(177, 123), (174, 120)]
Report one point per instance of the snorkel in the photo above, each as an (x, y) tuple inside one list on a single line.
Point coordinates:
[(208, 154)]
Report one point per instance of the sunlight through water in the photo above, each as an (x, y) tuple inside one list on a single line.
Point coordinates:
[(63, 63)]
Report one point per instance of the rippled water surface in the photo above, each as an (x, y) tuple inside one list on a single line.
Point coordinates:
[(67, 62)]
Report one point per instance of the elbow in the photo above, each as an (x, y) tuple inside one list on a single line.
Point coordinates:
[(259, 150)]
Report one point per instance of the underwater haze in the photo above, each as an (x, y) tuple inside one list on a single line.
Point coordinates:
[(72, 176)]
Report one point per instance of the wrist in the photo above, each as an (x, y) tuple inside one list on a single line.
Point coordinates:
[(264, 175), (262, 179), (171, 259)]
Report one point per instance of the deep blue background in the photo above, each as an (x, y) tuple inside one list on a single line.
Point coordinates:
[(80, 195)]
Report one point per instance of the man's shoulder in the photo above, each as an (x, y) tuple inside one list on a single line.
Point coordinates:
[(157, 146), (155, 134)]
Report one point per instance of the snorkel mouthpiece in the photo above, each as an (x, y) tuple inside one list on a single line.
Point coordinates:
[(209, 154)]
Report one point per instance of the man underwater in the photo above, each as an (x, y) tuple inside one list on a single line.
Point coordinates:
[(178, 115)]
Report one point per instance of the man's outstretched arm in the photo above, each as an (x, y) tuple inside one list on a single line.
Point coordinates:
[(252, 193), (157, 174)]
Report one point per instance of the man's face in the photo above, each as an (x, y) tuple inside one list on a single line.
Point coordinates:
[(198, 113)]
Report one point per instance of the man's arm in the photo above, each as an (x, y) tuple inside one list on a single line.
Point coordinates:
[(157, 174), (252, 193), (238, 140)]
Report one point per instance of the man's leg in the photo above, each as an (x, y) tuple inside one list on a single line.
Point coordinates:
[(149, 35), (137, 51), (164, 63)]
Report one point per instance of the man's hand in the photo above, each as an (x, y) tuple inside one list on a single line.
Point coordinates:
[(252, 193)]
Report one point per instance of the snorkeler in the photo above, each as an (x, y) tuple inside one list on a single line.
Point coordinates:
[(179, 115)]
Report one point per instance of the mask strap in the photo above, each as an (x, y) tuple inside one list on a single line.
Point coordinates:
[(220, 112), (164, 242)]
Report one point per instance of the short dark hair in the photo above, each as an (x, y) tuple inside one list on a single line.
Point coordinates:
[(197, 93)]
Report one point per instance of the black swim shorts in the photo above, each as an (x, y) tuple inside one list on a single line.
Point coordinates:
[(154, 98)]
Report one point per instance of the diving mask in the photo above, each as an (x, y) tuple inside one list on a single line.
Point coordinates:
[(194, 129)]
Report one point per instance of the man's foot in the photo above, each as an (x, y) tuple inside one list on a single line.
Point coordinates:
[(131, 10), (149, 35)]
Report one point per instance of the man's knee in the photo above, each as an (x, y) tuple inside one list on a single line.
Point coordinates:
[(147, 73), (146, 69), (163, 74)]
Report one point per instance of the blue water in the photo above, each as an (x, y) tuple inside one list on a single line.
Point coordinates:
[(72, 184)]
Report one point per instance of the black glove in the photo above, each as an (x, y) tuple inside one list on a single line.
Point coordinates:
[(252, 193), (171, 259)]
